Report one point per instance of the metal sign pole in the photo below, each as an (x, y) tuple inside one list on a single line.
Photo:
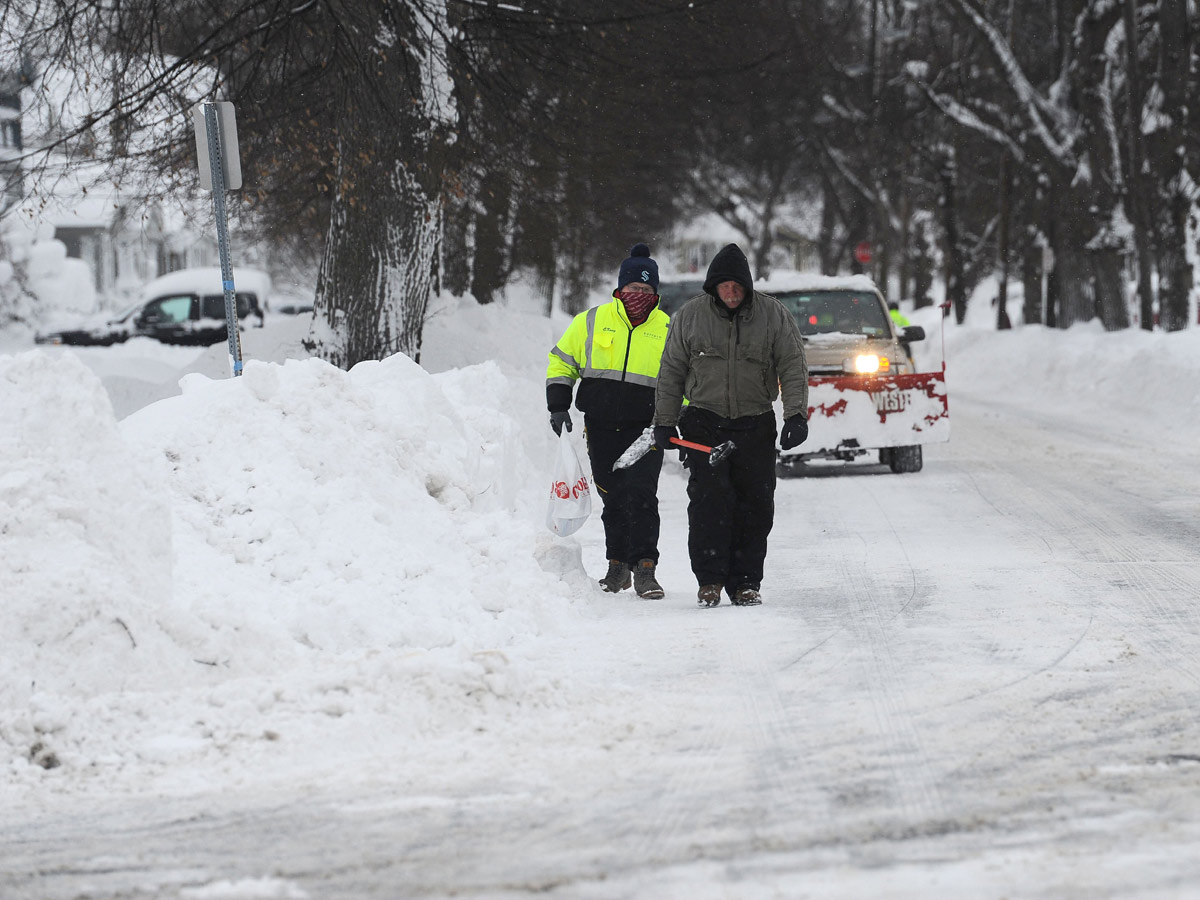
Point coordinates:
[(218, 191)]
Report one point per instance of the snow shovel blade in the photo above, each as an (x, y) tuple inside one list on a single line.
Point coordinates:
[(715, 454), (637, 450)]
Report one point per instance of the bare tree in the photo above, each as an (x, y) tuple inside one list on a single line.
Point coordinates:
[(1072, 144)]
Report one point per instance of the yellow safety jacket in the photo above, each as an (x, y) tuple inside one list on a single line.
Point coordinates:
[(615, 363)]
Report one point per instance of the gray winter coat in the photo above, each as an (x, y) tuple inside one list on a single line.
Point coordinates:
[(733, 367)]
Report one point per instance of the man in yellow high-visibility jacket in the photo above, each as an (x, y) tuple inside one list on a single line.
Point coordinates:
[(613, 351)]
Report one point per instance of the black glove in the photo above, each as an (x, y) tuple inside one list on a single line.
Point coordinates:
[(559, 418), (795, 432), (663, 435)]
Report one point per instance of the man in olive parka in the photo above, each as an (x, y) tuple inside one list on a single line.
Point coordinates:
[(731, 351)]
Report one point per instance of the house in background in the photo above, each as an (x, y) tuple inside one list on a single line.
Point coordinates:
[(119, 244), (125, 240), (128, 230), (126, 243), (692, 246), (11, 183)]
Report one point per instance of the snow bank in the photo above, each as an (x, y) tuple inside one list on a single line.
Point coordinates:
[(1137, 381), (61, 283), (357, 509), (87, 539), (262, 554)]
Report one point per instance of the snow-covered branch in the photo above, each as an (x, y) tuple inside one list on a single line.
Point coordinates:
[(1036, 108)]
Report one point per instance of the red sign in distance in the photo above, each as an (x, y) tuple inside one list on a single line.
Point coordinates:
[(862, 252)]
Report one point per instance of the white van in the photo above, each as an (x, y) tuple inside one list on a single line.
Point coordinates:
[(183, 307), (188, 306)]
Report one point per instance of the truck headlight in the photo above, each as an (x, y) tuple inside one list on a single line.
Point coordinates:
[(868, 364)]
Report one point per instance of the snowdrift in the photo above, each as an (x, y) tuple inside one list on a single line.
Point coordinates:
[(365, 541)]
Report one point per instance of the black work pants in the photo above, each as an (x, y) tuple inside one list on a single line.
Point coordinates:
[(731, 505), (629, 495)]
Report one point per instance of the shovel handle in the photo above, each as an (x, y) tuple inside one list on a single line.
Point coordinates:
[(682, 443)]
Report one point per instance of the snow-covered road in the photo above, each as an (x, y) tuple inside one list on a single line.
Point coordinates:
[(978, 681)]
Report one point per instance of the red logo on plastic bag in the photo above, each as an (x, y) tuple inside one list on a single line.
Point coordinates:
[(560, 490), (581, 487)]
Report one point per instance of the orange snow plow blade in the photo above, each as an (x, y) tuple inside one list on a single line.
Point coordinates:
[(864, 412)]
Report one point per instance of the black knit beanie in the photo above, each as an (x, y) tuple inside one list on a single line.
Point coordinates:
[(639, 267)]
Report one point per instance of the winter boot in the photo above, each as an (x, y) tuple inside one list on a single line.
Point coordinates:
[(618, 577), (709, 595), (746, 596), (645, 583)]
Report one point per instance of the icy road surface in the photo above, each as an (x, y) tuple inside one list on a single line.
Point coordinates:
[(978, 681)]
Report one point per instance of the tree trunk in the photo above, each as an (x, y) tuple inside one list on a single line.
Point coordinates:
[(1032, 267), (956, 293), (382, 254), (545, 283), (378, 269), (458, 230), (922, 267), (1003, 322), (762, 253), (492, 228), (881, 246), (1109, 288), (577, 278), (1073, 281), (825, 239), (1136, 188), (1175, 275)]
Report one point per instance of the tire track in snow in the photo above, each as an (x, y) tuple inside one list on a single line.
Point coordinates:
[(778, 744), (912, 779), (871, 586), (1111, 548), (674, 816), (1123, 535)]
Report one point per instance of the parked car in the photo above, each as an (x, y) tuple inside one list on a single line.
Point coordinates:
[(98, 330), (290, 306), (865, 395), (183, 307)]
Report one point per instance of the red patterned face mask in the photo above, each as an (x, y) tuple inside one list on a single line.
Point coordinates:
[(637, 305)]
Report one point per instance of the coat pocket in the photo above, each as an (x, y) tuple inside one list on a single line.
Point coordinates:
[(752, 370), (708, 374)]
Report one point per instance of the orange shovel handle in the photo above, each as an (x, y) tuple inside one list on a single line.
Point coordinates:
[(682, 443)]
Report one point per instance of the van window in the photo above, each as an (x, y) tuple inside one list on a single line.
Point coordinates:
[(247, 303), (171, 310), (212, 306)]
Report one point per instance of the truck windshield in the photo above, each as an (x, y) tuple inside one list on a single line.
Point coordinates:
[(837, 312)]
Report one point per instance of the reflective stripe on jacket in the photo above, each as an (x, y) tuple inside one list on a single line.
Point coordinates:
[(615, 363)]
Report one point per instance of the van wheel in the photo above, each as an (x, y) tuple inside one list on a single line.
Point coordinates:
[(885, 456), (905, 459)]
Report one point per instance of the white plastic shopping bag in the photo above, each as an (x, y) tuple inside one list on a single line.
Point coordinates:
[(570, 492)]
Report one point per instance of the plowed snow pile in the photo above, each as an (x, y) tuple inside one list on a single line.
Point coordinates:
[(233, 564)]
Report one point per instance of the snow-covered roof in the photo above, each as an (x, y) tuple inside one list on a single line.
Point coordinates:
[(207, 280), (781, 281), (78, 196), (707, 227)]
